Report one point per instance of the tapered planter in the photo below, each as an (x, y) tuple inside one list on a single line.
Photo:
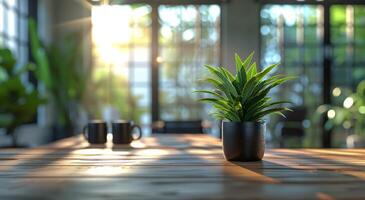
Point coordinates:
[(243, 141)]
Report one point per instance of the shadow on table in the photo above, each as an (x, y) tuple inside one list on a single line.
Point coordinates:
[(287, 174), (302, 165), (28, 160)]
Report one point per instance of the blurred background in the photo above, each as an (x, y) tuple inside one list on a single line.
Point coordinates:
[(65, 62)]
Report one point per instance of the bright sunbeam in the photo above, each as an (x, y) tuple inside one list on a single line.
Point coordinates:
[(153, 152), (113, 29), (109, 27), (106, 170), (110, 24), (76, 23)]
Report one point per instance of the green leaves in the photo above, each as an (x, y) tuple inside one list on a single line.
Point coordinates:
[(224, 81), (39, 54), (243, 96), (18, 100)]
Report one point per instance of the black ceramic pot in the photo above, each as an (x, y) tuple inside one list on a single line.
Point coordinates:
[(243, 141)]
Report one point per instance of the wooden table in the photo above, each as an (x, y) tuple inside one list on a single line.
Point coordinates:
[(177, 167)]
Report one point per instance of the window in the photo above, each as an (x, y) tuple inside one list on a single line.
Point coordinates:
[(188, 38), (13, 27), (326, 53)]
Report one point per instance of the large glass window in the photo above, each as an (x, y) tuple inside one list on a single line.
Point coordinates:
[(294, 36), (188, 38)]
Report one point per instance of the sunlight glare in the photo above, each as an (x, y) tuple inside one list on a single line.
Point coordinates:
[(331, 114), (349, 101), (106, 170), (336, 91), (138, 144), (110, 25), (152, 152)]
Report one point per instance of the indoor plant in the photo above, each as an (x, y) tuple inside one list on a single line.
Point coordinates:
[(242, 101), (19, 100)]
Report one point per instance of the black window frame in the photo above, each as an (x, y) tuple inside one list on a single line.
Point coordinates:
[(154, 79)]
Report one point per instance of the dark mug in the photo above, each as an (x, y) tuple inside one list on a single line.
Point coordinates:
[(122, 132), (95, 132)]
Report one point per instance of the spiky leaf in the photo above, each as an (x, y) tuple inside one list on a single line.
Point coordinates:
[(243, 96)]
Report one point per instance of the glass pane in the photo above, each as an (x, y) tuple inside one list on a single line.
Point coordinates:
[(290, 35), (143, 96), (11, 3), (12, 45), (141, 75), (292, 56), (360, 54), (358, 73), (312, 35), (338, 34), (23, 30), (12, 24), (167, 97), (2, 18), (313, 55), (23, 7), (340, 55), (360, 14), (23, 55), (141, 55), (338, 15), (359, 35)]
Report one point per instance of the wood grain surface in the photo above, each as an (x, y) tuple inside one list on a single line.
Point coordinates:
[(177, 167)]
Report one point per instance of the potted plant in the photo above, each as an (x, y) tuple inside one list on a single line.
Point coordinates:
[(350, 115), (241, 101), (18, 100)]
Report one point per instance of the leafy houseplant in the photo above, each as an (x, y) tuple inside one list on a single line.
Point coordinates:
[(241, 101), (18, 102), (350, 116)]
